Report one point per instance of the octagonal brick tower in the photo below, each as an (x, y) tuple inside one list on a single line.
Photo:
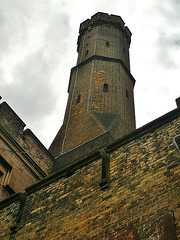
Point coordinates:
[(100, 106)]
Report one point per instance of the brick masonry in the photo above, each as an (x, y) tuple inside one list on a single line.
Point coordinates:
[(103, 59), (20, 149), (142, 201)]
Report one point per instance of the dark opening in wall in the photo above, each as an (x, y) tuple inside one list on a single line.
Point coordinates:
[(107, 43), (127, 94), (105, 87), (86, 53), (78, 98), (1, 175)]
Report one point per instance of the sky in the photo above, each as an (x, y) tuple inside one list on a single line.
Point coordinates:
[(38, 43)]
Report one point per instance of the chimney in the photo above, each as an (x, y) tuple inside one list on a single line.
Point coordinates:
[(178, 102)]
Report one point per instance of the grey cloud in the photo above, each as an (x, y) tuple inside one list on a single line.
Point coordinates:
[(176, 41), (13, 22), (169, 10), (30, 91), (56, 37), (168, 40), (165, 50)]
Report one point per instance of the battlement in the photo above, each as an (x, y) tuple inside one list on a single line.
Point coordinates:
[(23, 141), (11, 121), (104, 18)]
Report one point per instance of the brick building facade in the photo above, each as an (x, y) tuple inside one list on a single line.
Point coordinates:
[(23, 158), (118, 182)]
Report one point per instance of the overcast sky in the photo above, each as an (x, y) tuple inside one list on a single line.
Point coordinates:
[(38, 48)]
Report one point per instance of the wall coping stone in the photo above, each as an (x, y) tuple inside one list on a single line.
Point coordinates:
[(79, 163)]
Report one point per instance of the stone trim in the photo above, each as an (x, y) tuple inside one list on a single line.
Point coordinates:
[(101, 58)]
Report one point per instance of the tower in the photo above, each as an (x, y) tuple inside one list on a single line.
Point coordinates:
[(101, 102)]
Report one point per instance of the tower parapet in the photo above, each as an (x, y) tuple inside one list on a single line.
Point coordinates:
[(104, 35), (101, 18)]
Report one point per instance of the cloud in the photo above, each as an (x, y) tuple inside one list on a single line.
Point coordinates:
[(29, 90), (38, 49), (34, 43), (168, 21)]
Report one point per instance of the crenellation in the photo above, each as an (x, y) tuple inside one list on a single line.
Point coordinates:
[(11, 121), (106, 20)]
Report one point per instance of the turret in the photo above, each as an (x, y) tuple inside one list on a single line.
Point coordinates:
[(101, 100)]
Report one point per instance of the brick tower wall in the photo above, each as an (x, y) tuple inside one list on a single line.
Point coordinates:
[(101, 86)]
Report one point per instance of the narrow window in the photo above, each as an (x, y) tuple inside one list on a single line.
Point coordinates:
[(105, 87), (107, 44), (105, 174), (123, 50), (127, 94), (78, 98), (86, 53)]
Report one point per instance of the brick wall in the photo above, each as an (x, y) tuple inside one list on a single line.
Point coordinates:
[(98, 111), (23, 158), (25, 138), (11, 121), (142, 201), (21, 175)]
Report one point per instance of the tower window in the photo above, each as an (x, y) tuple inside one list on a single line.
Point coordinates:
[(105, 87), (107, 44), (78, 98), (127, 94), (86, 53), (123, 50)]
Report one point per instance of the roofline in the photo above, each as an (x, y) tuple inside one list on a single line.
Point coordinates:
[(26, 130), (39, 142), (79, 163), (39, 173), (15, 114), (145, 129), (103, 18)]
